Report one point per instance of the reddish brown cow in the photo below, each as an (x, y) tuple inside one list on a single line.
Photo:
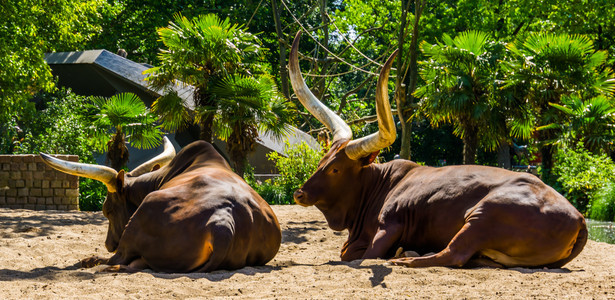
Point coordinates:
[(467, 215), (191, 215)]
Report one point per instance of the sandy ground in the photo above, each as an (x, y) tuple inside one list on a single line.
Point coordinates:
[(40, 253)]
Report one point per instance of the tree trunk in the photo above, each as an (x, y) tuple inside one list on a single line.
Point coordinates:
[(470, 144), (321, 84), (405, 151), (504, 156), (283, 70), (207, 121), (546, 153), (117, 153), (407, 76), (240, 144)]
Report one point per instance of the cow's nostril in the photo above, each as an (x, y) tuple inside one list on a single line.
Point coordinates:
[(298, 194)]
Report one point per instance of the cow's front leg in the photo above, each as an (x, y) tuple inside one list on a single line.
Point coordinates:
[(136, 265), (353, 250), (383, 240), (123, 263)]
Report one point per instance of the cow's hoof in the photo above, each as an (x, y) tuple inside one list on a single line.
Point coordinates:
[(401, 253), (91, 262), (113, 269)]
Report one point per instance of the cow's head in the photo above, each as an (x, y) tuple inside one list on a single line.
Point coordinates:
[(121, 202), (338, 172)]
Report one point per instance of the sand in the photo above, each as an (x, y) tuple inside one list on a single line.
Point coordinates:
[(40, 253)]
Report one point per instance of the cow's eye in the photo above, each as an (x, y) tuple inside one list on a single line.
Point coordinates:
[(335, 171)]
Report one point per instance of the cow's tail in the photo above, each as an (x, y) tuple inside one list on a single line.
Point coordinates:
[(221, 238), (576, 249)]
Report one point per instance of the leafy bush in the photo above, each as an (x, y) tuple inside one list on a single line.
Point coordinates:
[(274, 194), (295, 168), (602, 206), (92, 194), (58, 127), (582, 174)]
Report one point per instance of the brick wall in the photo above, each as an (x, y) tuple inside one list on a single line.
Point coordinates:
[(27, 182)]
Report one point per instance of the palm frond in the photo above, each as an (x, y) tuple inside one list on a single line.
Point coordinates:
[(172, 110)]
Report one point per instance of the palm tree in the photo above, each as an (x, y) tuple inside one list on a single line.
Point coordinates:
[(462, 87), (545, 68), (199, 52), (233, 101), (119, 119), (590, 122), (247, 106)]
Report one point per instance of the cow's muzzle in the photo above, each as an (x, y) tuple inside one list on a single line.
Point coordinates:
[(111, 245), (301, 197)]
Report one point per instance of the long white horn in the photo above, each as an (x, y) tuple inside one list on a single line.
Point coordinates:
[(333, 122), (162, 159), (103, 174), (385, 136)]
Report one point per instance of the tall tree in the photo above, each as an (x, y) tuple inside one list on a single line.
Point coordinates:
[(462, 87), (548, 66), (233, 97), (200, 52)]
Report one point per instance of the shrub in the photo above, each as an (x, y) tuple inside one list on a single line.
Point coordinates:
[(92, 194), (274, 194), (602, 206), (299, 163), (581, 174)]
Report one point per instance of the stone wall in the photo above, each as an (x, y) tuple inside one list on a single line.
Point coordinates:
[(27, 182)]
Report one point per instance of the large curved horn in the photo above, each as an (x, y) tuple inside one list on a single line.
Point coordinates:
[(333, 122), (162, 159), (385, 136), (103, 174)]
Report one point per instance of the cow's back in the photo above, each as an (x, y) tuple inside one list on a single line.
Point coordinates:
[(437, 202), (202, 211)]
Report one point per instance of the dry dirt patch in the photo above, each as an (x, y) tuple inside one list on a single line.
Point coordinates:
[(40, 252)]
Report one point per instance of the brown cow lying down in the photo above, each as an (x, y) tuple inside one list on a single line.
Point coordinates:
[(467, 215), (192, 215)]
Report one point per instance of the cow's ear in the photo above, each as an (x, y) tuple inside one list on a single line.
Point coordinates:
[(370, 158), (156, 167), (119, 179)]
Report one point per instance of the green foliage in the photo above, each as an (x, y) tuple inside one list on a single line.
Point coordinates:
[(200, 50), (271, 192), (602, 206), (582, 174), (132, 24), (462, 87), (123, 113), (59, 127), (299, 163), (119, 119), (235, 101), (295, 167), (590, 121), (28, 29), (92, 194), (245, 107)]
